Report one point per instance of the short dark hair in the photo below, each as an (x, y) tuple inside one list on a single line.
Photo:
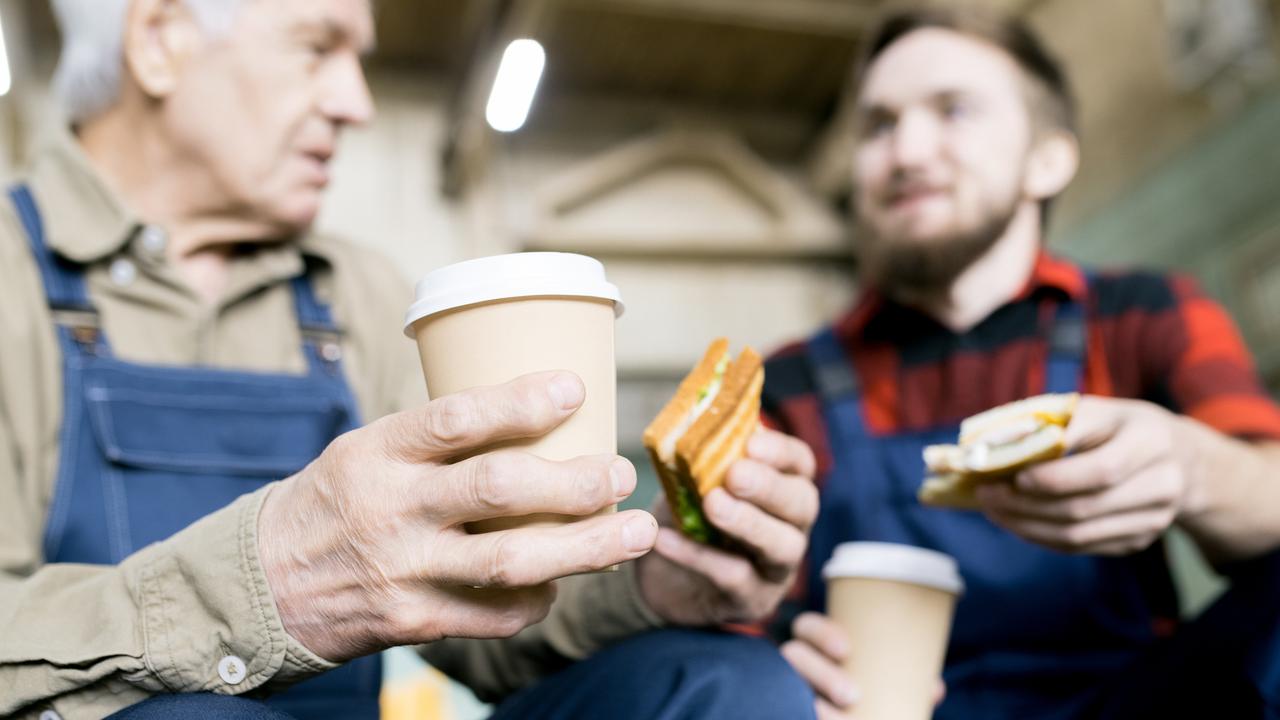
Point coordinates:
[(1051, 100)]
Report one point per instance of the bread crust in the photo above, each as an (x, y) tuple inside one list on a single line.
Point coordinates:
[(686, 394), (717, 438), (720, 435), (953, 490)]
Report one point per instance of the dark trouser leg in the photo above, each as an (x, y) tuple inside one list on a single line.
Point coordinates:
[(199, 707), (1225, 663), (670, 675)]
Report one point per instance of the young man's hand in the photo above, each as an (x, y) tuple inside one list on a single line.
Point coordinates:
[(1123, 484), (817, 650), (768, 505)]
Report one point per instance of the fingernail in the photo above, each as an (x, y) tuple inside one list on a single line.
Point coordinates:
[(668, 541), (566, 391), (711, 502), (623, 477), (721, 500), (639, 533), (743, 483), (1025, 481), (839, 647), (846, 694), (998, 492), (720, 505)]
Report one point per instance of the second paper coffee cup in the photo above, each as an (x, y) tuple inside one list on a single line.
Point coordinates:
[(895, 603)]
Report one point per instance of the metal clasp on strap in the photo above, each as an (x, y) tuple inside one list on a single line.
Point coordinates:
[(327, 342), (836, 380), (82, 321), (1068, 336)]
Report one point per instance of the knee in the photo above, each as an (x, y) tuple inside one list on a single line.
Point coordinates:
[(732, 676), (198, 707)]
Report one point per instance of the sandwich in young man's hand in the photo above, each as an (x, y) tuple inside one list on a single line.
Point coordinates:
[(703, 430), (994, 446)]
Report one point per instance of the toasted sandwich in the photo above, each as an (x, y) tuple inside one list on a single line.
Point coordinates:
[(995, 445), (703, 430)]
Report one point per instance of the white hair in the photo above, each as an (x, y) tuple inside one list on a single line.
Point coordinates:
[(87, 80)]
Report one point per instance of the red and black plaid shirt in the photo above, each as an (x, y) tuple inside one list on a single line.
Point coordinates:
[(1151, 337)]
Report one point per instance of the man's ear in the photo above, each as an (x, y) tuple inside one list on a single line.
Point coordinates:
[(159, 36), (1054, 160)]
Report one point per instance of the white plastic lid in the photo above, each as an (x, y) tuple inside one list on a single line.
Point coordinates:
[(890, 561), (517, 275)]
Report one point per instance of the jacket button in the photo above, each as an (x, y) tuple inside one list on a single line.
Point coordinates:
[(154, 239), (123, 272), (232, 670)]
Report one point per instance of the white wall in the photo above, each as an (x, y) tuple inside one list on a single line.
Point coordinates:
[(386, 179)]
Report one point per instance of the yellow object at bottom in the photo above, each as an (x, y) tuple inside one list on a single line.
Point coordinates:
[(422, 696)]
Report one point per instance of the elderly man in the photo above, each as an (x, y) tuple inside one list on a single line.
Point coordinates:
[(175, 340), (964, 129)]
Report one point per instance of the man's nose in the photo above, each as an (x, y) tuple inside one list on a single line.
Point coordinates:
[(916, 139), (346, 98)]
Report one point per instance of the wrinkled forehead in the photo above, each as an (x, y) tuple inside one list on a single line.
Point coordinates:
[(346, 22), (930, 62)]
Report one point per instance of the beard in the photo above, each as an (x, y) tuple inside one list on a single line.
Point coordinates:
[(928, 266)]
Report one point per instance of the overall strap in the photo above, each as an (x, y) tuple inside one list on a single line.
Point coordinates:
[(836, 381), (1068, 338), (320, 334), (64, 285)]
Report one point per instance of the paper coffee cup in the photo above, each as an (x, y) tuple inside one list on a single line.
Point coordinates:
[(490, 320), (895, 603)]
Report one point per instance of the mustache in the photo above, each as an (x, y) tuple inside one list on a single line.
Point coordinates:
[(903, 185)]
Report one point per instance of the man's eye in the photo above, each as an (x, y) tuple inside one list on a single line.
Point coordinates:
[(954, 109), (315, 48), (878, 127)]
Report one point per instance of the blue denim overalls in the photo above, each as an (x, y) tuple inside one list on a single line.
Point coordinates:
[(147, 450), (1036, 630)]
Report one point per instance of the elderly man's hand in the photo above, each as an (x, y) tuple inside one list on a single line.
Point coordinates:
[(1120, 489), (367, 548), (768, 507)]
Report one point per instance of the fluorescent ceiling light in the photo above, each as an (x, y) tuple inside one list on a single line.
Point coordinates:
[(515, 85), (6, 80)]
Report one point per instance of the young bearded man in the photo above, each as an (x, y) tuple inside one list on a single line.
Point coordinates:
[(965, 133)]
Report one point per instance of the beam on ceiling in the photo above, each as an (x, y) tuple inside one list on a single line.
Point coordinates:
[(469, 139), (464, 139), (840, 18)]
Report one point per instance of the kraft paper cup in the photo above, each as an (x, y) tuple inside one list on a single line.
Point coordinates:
[(490, 320), (895, 603)]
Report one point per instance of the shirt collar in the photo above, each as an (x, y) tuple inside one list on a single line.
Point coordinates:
[(1049, 274), (84, 219), (1055, 273)]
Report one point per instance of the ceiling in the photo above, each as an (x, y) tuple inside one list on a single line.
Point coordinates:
[(694, 59), (786, 60), (732, 54), (737, 55), (790, 55)]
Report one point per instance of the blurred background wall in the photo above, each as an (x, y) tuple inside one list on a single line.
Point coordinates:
[(696, 147)]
